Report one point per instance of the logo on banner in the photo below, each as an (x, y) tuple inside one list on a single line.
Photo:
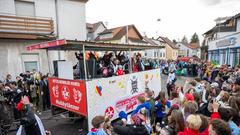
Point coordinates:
[(99, 90), (55, 91), (77, 95), (128, 103), (109, 112), (134, 84), (65, 93)]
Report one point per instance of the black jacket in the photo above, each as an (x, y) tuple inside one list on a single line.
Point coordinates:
[(44, 87), (130, 130), (30, 123)]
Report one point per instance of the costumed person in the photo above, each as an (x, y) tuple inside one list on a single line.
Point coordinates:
[(120, 71), (170, 81), (140, 64), (160, 106), (31, 123), (98, 126)]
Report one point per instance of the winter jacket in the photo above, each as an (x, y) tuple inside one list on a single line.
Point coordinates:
[(30, 123), (188, 131), (159, 108), (234, 128), (131, 130), (97, 132)]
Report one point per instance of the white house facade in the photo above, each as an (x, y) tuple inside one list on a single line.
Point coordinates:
[(156, 53), (189, 50), (224, 42), (25, 22)]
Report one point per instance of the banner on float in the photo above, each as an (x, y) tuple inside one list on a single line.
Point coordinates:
[(109, 96), (68, 94)]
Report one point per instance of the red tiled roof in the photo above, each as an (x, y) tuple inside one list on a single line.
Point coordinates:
[(193, 45), (169, 42), (118, 33)]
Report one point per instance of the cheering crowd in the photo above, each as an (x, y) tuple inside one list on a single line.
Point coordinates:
[(208, 104), (20, 99)]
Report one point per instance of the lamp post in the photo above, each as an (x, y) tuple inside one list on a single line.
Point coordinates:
[(158, 51)]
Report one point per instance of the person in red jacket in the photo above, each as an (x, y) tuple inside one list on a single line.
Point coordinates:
[(120, 71), (194, 123)]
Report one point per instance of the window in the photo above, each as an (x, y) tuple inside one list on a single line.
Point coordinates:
[(24, 8), (155, 54), (30, 62), (163, 54), (160, 54), (30, 65)]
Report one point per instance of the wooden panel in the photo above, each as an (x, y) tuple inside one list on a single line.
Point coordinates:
[(17, 36), (40, 23), (31, 25), (25, 25), (24, 18), (25, 29)]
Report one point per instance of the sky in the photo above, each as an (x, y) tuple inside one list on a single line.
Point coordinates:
[(177, 17)]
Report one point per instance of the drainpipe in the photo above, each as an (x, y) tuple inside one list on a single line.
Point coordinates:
[(57, 26)]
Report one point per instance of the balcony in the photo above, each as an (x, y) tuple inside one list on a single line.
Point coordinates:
[(26, 25)]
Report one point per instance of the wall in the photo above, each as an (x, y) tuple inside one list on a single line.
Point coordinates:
[(169, 52), (100, 29), (7, 6), (72, 20), (11, 53), (150, 53), (212, 44), (46, 8)]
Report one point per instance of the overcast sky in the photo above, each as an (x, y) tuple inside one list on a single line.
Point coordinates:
[(178, 17)]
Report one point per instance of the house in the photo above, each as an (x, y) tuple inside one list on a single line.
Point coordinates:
[(124, 35), (93, 29), (223, 41), (189, 50), (25, 22), (156, 53), (171, 48)]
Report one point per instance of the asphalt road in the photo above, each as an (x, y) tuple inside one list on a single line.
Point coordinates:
[(62, 126)]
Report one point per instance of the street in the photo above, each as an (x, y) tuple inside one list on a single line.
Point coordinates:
[(62, 126)]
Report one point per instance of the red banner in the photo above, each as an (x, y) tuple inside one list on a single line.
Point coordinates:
[(68, 94), (48, 44)]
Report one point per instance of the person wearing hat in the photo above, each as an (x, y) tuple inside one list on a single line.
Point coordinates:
[(98, 124), (136, 127)]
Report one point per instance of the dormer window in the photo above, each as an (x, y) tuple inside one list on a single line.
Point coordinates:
[(106, 36)]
